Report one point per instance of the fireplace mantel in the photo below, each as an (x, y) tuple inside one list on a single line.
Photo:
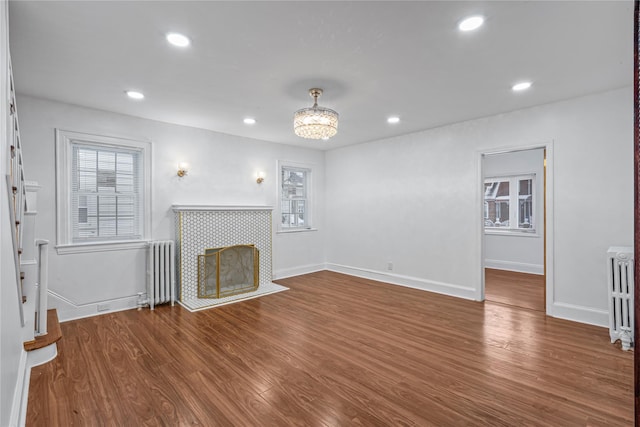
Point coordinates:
[(200, 208)]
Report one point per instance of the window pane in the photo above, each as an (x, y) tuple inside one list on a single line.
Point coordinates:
[(125, 163), (299, 210), (525, 203), (496, 198), (107, 226), (126, 226), (293, 183), (124, 183), (86, 180), (126, 206), (89, 229), (294, 193), (106, 206)]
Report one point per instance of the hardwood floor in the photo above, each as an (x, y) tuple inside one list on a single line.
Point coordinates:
[(334, 350), (517, 289)]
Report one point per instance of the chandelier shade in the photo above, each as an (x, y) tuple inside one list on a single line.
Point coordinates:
[(315, 122)]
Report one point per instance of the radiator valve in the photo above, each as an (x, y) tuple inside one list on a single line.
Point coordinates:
[(142, 301)]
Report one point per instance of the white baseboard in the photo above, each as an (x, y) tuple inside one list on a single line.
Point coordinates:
[(298, 271), (519, 267), (407, 281), (19, 405), (34, 358), (68, 310), (578, 313)]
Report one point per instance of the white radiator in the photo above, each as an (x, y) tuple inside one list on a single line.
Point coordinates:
[(160, 273), (621, 283)]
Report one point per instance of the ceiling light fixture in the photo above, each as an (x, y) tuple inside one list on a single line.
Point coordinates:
[(393, 119), (178, 40), (249, 121), (521, 86), (134, 95), (315, 122), (471, 23)]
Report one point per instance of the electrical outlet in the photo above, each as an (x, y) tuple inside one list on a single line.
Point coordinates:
[(103, 307), (390, 265)]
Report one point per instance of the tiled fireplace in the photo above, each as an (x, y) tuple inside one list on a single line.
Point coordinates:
[(202, 231)]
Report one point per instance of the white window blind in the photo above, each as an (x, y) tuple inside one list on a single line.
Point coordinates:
[(107, 200)]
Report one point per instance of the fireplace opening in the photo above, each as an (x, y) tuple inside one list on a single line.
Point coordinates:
[(227, 271)]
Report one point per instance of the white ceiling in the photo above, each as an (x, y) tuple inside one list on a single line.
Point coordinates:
[(373, 59)]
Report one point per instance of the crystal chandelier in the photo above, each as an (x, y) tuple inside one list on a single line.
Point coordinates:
[(315, 122)]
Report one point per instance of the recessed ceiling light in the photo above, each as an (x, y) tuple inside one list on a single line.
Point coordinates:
[(393, 119), (135, 95), (178, 40), (471, 23), (521, 86), (249, 121)]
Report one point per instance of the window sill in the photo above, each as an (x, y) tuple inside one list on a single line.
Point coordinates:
[(514, 233), (295, 230), (79, 248)]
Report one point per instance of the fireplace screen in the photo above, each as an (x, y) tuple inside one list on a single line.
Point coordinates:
[(228, 271)]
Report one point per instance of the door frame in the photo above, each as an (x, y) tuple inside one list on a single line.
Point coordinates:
[(547, 218)]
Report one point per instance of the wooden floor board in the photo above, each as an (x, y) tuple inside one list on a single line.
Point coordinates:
[(514, 288), (334, 350)]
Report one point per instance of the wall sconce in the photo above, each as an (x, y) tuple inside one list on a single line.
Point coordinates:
[(259, 177), (183, 168)]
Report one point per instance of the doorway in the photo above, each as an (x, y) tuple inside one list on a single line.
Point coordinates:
[(515, 205)]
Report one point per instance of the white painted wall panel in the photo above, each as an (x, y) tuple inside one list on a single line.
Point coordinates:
[(414, 199), (222, 172)]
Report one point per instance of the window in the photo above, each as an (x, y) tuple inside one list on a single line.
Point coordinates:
[(295, 210), (508, 203), (102, 189)]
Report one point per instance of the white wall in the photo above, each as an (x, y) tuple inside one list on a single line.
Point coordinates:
[(222, 172), (517, 251), (414, 200), (12, 355)]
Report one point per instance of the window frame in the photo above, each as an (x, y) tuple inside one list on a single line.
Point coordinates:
[(65, 140), (309, 200), (514, 206)]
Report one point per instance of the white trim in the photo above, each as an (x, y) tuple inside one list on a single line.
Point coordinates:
[(31, 360), (579, 313), (298, 271), (69, 310), (516, 232), (480, 240), (520, 267), (181, 208), (549, 229), (450, 289), (81, 248), (20, 393), (64, 139), (33, 186), (42, 355), (295, 230), (549, 226)]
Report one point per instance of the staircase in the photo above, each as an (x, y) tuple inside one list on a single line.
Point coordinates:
[(41, 326), (29, 331)]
